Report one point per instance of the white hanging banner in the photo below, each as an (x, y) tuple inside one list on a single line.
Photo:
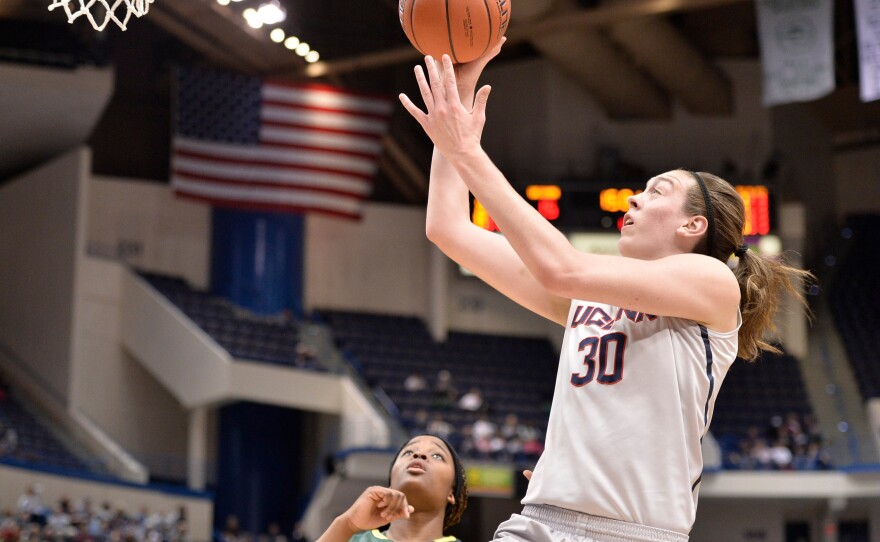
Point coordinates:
[(868, 28), (797, 49)]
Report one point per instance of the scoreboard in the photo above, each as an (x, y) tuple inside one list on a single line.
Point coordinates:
[(590, 206)]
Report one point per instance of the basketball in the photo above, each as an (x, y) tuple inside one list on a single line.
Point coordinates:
[(463, 29)]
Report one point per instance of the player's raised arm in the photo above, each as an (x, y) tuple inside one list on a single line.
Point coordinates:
[(448, 225)]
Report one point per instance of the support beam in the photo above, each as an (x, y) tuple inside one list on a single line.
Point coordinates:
[(679, 68)]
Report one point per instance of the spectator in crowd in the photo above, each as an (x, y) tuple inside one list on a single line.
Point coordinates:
[(298, 534), (415, 382), (8, 440), (30, 503), (273, 533), (426, 494), (780, 455), (472, 400), (231, 529), (445, 393), (440, 427)]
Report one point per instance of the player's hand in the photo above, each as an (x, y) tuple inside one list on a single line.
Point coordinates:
[(467, 74), (528, 474), (454, 130), (375, 507)]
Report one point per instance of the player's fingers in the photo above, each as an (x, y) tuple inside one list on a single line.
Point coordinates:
[(394, 502), (435, 80), (451, 87), (413, 109), (481, 100), (425, 88), (527, 474)]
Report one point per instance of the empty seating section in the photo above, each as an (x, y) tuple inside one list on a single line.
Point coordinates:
[(855, 301), (515, 375), (23, 438), (244, 336)]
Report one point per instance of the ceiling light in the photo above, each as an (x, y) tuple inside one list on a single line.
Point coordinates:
[(312, 56), (271, 12), (277, 35), (303, 49), (252, 17), (291, 43), (223, 2)]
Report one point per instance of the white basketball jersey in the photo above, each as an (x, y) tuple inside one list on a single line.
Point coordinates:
[(634, 396)]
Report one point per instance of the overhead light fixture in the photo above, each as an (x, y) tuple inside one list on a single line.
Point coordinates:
[(252, 17), (272, 12), (312, 56), (291, 43), (303, 49), (223, 2), (276, 35)]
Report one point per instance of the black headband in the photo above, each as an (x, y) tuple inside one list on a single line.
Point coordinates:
[(710, 215)]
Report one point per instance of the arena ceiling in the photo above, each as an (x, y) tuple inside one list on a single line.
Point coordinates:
[(662, 53)]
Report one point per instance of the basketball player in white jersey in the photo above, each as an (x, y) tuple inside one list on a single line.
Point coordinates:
[(649, 335)]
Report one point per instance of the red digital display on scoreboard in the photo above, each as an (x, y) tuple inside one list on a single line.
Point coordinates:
[(581, 211)]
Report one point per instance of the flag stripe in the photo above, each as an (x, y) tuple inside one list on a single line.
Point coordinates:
[(325, 98), (320, 119), (306, 179), (275, 156), (187, 175), (319, 129), (270, 195), (315, 148), (327, 140), (328, 110)]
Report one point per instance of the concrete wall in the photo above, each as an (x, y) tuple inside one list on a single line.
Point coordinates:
[(40, 219), (145, 225), (111, 387)]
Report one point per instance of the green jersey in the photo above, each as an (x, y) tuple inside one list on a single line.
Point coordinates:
[(378, 536)]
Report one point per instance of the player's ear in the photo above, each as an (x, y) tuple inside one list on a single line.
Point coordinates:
[(695, 226)]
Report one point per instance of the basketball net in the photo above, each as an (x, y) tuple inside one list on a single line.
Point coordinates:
[(138, 8)]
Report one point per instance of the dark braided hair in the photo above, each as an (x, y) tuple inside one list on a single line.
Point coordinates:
[(454, 511)]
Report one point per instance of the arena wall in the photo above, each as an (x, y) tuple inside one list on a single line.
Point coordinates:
[(41, 213)]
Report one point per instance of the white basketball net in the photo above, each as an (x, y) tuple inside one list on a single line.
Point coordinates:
[(104, 10)]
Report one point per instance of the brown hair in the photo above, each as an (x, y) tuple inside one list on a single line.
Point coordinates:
[(761, 279)]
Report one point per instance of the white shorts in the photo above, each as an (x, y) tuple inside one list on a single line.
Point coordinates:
[(543, 523)]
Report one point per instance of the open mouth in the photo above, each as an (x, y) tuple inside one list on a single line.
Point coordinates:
[(627, 221), (416, 467)]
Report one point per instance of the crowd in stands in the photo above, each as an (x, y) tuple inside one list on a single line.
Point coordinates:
[(792, 442), (32, 520), (232, 532), (490, 436)]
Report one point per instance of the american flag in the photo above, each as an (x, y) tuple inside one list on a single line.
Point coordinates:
[(244, 142)]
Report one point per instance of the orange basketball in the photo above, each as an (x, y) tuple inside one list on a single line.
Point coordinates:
[(463, 29)]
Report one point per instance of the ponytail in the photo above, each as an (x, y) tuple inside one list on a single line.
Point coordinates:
[(762, 279), (762, 282)]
